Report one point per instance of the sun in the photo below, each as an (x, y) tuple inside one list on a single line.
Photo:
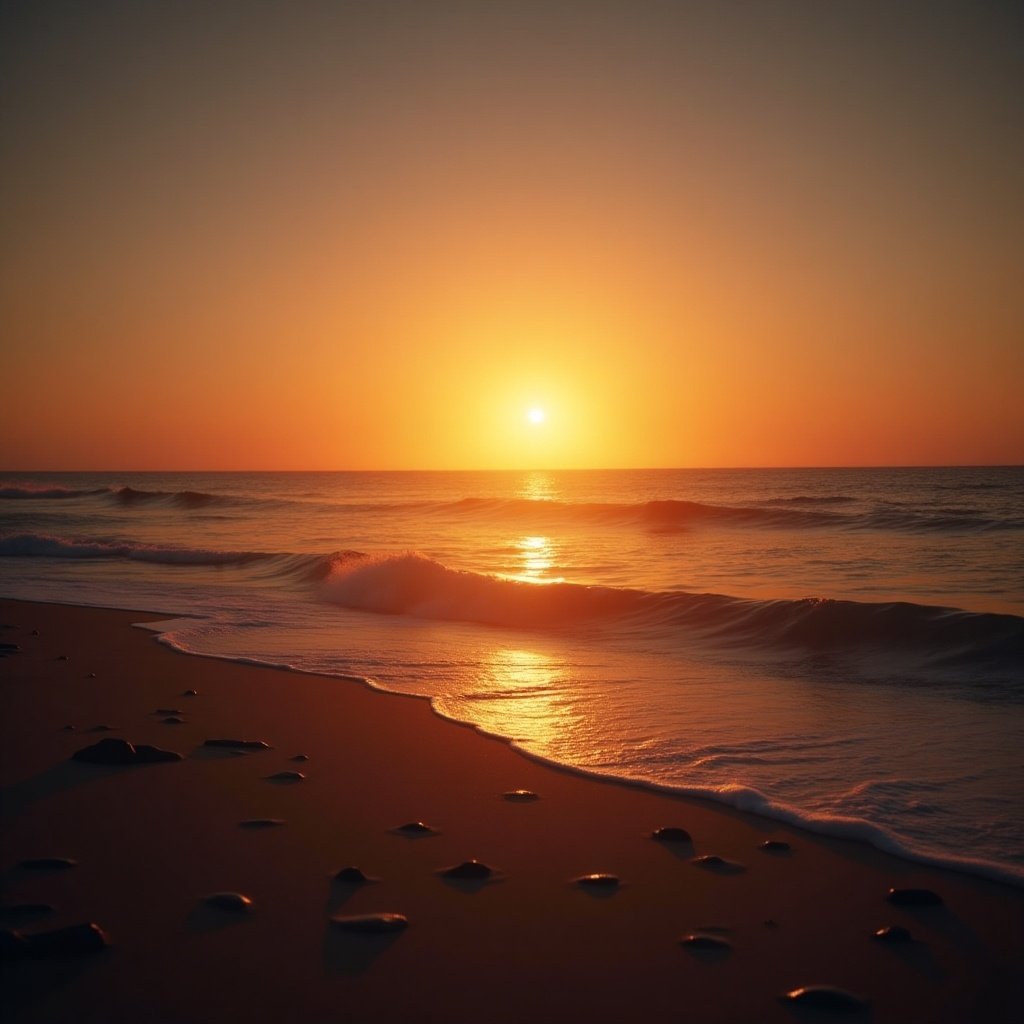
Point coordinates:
[(536, 415)]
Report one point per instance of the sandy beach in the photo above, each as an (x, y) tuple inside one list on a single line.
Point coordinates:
[(151, 841)]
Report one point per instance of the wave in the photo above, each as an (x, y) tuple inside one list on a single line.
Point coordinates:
[(34, 545), (413, 584), (118, 495), (669, 514), (182, 499), (22, 493)]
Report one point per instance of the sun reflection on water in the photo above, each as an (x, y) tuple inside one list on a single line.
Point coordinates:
[(523, 695)]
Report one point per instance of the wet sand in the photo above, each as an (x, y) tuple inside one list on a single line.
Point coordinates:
[(153, 841)]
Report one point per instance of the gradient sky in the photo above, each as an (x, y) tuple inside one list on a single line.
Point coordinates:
[(329, 235)]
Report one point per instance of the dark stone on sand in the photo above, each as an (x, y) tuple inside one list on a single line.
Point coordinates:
[(235, 902), (894, 934), (352, 876), (705, 942), (68, 728), (709, 860), (49, 863), (261, 823), (9, 649), (75, 940), (775, 846), (469, 871), (520, 796), (914, 898), (173, 720), (102, 728), (414, 828), (286, 777), (299, 757), (598, 881), (825, 997), (371, 924), (90, 675), (168, 711), (115, 751), (190, 693), (671, 834), (35, 632), (63, 657), (240, 744)]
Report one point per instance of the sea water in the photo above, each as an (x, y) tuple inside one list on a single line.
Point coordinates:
[(840, 648)]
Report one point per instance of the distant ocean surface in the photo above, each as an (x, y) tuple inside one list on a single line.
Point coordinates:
[(842, 648)]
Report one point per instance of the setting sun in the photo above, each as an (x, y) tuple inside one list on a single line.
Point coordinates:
[(536, 415)]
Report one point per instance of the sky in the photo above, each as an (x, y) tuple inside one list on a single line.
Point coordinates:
[(375, 235)]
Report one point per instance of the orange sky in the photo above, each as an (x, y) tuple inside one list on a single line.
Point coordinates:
[(373, 235)]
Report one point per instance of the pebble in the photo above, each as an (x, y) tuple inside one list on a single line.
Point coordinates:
[(102, 728), (68, 728), (893, 933), (49, 863), (598, 881), (168, 711), (352, 876), (415, 828), (671, 834), (190, 693), (236, 902), (708, 942), (371, 924), (63, 657), (75, 940), (715, 863), (775, 846), (173, 720), (468, 870), (520, 796), (242, 744), (299, 757), (90, 675), (114, 751), (261, 823), (914, 898), (825, 997), (286, 777)]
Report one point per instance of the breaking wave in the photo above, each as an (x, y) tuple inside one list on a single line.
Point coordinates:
[(412, 584)]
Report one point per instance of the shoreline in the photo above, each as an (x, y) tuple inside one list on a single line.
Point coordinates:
[(152, 840)]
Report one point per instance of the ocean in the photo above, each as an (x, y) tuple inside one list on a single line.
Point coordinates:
[(838, 648)]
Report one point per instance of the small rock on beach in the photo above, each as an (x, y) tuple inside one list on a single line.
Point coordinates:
[(352, 876), (235, 902), (520, 796), (671, 834), (893, 934), (48, 863), (469, 871), (598, 881), (914, 898), (415, 828), (75, 940), (825, 997), (120, 752)]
